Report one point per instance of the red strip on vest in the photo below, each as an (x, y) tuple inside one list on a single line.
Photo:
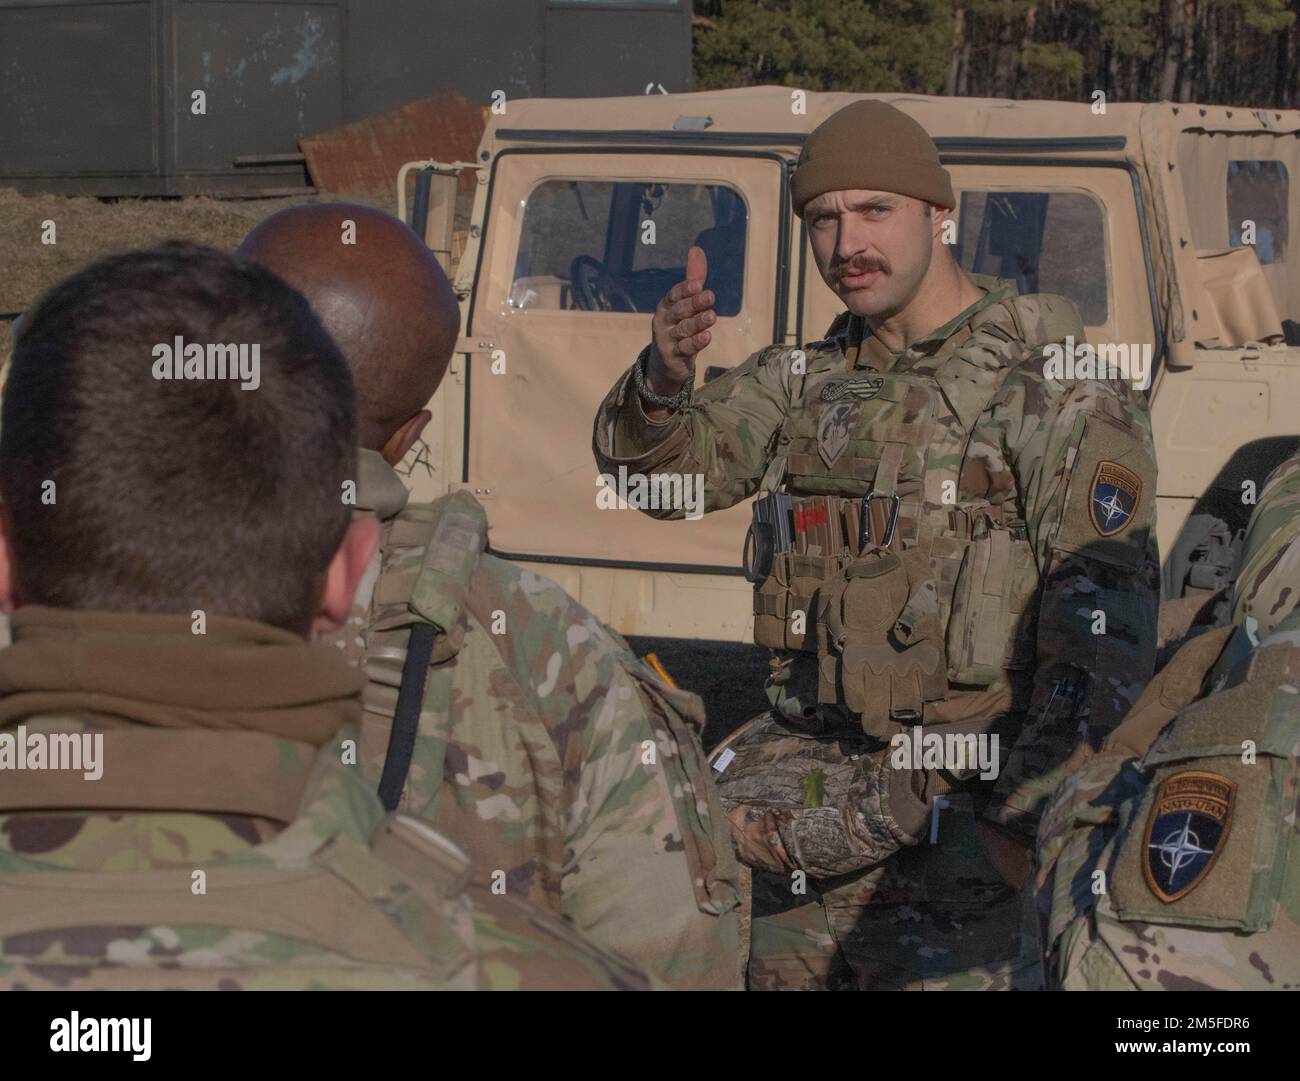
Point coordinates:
[(805, 520)]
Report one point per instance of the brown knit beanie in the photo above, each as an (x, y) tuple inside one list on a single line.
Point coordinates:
[(871, 145)]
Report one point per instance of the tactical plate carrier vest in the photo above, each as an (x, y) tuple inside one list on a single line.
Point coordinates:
[(902, 588), (342, 899)]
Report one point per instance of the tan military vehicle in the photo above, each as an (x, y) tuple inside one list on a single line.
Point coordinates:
[(1174, 228)]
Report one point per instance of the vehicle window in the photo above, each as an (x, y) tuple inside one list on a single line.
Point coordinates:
[(1047, 242), (1257, 191), (618, 246)]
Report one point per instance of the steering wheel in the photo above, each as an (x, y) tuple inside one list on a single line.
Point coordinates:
[(595, 289)]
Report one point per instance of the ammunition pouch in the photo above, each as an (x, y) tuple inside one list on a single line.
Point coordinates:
[(880, 641), (969, 600), (991, 627), (792, 588), (794, 545)]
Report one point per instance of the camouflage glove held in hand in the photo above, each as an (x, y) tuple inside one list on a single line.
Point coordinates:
[(824, 806)]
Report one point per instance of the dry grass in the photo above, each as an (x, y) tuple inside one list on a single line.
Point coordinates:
[(87, 229)]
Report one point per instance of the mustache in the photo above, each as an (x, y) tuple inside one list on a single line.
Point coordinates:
[(859, 265)]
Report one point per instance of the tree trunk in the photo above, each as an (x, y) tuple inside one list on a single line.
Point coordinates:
[(1004, 68), (1175, 37), (1282, 69), (957, 64), (1212, 82), (1026, 36), (1187, 59)]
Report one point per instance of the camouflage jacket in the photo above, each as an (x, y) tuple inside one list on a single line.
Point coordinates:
[(1268, 585), (1012, 437), (1163, 860), (572, 774), (1180, 870), (180, 812)]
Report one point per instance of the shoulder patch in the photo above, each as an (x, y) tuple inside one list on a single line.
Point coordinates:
[(1114, 497), (1186, 830)]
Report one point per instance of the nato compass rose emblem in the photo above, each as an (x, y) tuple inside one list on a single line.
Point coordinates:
[(1188, 825), (1116, 492)]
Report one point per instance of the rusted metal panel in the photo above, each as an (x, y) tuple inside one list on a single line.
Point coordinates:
[(364, 157)]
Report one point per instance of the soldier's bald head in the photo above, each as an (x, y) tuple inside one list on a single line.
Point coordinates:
[(384, 299)]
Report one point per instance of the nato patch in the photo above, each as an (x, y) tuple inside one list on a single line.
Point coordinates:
[(1113, 498), (1187, 829)]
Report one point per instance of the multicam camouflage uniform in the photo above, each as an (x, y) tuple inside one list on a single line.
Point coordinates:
[(545, 747), (1171, 859), (1024, 507), (1268, 586), (222, 755)]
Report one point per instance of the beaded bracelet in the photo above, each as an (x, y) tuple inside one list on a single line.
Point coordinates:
[(638, 378)]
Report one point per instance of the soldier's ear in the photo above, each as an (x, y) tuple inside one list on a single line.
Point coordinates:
[(404, 438), (938, 215), (8, 592), (359, 544)]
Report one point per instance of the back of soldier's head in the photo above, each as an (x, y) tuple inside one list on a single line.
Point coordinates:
[(379, 292), (135, 481)]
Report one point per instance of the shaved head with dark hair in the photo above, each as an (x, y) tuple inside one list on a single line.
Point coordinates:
[(382, 297)]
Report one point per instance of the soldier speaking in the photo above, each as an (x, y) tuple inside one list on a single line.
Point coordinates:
[(945, 536)]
